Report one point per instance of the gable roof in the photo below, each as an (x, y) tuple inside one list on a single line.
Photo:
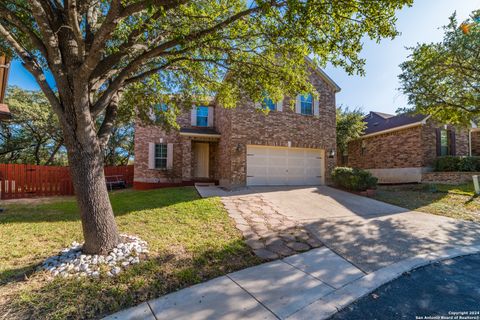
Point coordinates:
[(378, 122), (323, 75)]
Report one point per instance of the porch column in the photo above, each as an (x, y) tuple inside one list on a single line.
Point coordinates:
[(186, 159)]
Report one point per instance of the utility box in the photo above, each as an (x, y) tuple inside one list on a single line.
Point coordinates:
[(476, 184)]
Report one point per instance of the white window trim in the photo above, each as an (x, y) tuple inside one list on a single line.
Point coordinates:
[(315, 106), (155, 158), (152, 156), (193, 116)]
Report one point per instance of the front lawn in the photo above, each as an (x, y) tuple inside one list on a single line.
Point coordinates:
[(457, 202), (190, 240)]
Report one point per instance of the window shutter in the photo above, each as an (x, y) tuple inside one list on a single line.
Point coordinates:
[(438, 142), (453, 150), (280, 105), (194, 116), (316, 107), (210, 116), (170, 156), (298, 105), (151, 155)]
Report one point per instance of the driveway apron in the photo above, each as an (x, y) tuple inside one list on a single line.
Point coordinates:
[(368, 233)]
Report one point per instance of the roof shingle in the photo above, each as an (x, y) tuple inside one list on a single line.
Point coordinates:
[(377, 121)]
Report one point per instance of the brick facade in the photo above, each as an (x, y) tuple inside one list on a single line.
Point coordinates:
[(412, 147), (240, 127)]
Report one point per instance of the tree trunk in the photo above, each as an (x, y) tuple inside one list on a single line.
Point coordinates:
[(98, 222), (86, 161)]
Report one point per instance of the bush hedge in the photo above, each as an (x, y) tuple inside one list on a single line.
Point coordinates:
[(353, 179), (457, 163)]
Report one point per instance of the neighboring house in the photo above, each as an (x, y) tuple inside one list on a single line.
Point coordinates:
[(244, 146), (4, 66), (398, 148)]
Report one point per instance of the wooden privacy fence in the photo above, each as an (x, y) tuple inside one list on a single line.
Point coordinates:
[(26, 181)]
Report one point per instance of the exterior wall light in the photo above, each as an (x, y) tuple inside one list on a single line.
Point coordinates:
[(331, 153)]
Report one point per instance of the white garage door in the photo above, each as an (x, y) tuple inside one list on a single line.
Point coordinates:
[(271, 166)]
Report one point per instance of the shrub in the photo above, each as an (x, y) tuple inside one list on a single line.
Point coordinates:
[(353, 179), (457, 163)]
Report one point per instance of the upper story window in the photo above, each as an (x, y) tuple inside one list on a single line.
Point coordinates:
[(161, 154), (159, 109), (202, 116), (269, 104), (306, 104)]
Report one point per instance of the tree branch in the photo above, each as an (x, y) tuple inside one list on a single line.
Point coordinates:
[(17, 22), (71, 6), (33, 67), (134, 65)]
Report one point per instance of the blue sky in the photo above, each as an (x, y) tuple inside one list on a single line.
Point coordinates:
[(377, 90), (421, 23)]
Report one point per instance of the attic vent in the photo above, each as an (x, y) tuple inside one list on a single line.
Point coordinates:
[(376, 124)]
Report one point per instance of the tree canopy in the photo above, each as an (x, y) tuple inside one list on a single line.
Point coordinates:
[(443, 79), (187, 47), (34, 136), (350, 126)]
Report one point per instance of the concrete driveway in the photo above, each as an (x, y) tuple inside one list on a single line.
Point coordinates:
[(368, 233)]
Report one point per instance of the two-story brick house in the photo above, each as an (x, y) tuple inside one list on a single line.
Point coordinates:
[(244, 146)]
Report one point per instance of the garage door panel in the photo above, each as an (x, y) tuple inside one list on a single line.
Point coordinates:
[(277, 162), (283, 166), (257, 171), (276, 180)]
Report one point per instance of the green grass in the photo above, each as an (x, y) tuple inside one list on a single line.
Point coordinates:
[(459, 202), (190, 240)]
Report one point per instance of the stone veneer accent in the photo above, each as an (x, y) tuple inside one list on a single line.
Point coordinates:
[(448, 177), (239, 127)]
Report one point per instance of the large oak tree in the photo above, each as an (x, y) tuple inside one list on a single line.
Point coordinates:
[(175, 50), (443, 78)]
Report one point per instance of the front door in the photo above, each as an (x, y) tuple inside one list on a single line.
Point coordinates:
[(201, 157)]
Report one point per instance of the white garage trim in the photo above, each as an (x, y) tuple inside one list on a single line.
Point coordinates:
[(267, 165)]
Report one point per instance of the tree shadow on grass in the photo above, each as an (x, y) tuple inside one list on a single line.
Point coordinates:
[(161, 274)]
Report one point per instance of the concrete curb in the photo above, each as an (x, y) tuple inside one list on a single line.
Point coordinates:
[(321, 308), (332, 303)]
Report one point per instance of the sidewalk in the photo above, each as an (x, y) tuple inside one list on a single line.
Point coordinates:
[(310, 285)]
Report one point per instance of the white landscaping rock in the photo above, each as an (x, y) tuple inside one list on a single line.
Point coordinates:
[(72, 262)]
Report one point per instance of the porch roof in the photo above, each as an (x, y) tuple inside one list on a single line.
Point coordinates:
[(200, 132)]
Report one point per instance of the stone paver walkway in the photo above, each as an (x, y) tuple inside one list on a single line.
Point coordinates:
[(269, 233)]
